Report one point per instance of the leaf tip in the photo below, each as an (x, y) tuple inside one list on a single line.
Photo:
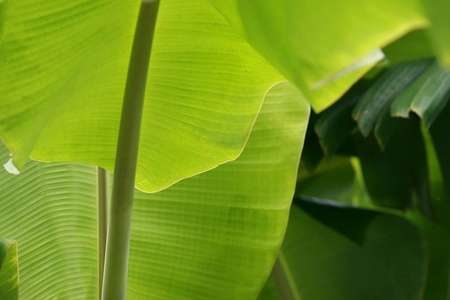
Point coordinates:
[(10, 167)]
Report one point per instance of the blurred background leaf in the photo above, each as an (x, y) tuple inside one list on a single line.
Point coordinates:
[(321, 263)]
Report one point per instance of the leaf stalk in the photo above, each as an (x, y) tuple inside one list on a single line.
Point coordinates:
[(102, 219), (119, 229)]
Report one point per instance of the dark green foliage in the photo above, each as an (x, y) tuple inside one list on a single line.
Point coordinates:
[(347, 220), (387, 137)]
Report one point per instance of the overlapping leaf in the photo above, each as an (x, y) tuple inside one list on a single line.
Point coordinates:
[(51, 211), (64, 65), (312, 44), (212, 236), (62, 76), (216, 235)]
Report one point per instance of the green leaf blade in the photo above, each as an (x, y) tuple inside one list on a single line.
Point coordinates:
[(212, 235), (62, 89), (312, 45), (233, 212), (50, 209)]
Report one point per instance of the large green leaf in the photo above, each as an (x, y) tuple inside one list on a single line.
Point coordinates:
[(64, 66), (321, 264), (62, 77), (9, 270), (314, 43), (219, 232), (212, 236)]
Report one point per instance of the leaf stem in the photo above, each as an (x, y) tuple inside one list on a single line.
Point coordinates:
[(102, 225), (118, 240), (283, 279)]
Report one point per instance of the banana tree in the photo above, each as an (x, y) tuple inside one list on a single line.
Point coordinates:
[(70, 70)]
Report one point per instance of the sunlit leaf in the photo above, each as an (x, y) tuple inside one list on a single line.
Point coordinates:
[(51, 211), (219, 232), (212, 236), (62, 77), (313, 43)]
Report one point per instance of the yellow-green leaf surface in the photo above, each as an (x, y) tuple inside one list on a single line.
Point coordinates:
[(9, 270), (216, 235), (212, 236), (312, 43), (51, 211), (62, 76)]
